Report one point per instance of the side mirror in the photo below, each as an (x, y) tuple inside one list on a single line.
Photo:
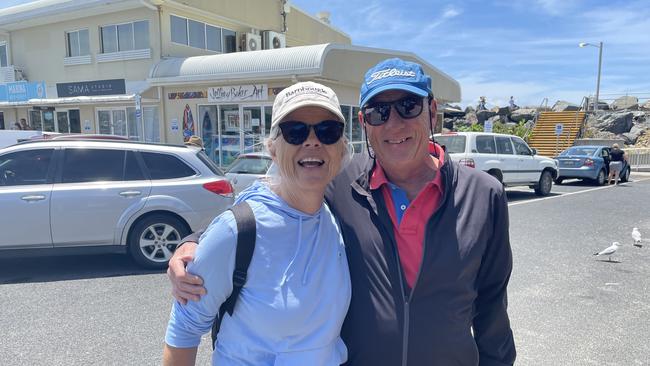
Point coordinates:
[(534, 150)]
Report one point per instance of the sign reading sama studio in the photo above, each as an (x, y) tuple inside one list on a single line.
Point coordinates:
[(90, 88), (238, 93)]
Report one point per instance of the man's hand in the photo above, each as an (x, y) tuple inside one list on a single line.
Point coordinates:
[(185, 286)]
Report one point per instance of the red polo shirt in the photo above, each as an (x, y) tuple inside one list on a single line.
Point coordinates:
[(409, 231)]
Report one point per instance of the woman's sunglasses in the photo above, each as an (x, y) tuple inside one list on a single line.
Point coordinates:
[(377, 113), (296, 132)]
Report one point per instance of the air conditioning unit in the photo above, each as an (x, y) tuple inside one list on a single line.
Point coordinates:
[(272, 40), (251, 42)]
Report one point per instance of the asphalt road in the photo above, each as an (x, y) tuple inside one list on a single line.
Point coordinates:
[(566, 307)]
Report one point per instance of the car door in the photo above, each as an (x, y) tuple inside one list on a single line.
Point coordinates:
[(527, 167), (94, 189), (604, 153), (506, 156), (25, 189)]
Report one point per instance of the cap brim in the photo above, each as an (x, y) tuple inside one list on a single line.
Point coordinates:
[(309, 103), (397, 86)]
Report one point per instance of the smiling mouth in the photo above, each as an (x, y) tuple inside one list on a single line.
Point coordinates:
[(310, 162), (397, 141)]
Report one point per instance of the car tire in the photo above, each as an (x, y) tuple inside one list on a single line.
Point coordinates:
[(600, 178), (496, 174), (626, 175), (559, 181), (543, 187), (153, 240)]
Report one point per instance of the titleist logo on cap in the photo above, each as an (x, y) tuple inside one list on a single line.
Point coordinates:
[(381, 74), (305, 90)]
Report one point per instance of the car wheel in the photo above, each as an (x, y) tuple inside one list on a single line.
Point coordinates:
[(496, 174), (600, 179), (559, 181), (543, 187), (625, 176), (154, 239)]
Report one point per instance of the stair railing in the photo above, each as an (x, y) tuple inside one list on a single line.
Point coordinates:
[(532, 125)]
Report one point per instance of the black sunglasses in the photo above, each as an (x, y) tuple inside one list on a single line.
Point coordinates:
[(296, 132), (377, 113)]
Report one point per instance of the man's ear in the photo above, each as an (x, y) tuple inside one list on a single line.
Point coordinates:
[(433, 112), (360, 118)]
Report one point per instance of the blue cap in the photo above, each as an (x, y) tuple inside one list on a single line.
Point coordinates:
[(395, 74)]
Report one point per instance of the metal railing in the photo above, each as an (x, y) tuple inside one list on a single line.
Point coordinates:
[(638, 157), (544, 102)]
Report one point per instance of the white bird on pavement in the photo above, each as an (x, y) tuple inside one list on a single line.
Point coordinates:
[(609, 251), (636, 235)]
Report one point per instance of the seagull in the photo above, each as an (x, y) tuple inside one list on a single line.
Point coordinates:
[(609, 251), (636, 235)]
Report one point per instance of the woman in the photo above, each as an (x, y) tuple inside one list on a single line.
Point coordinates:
[(617, 156), (291, 309)]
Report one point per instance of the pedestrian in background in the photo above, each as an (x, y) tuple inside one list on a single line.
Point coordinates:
[(617, 157)]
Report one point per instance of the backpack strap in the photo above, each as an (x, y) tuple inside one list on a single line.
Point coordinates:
[(244, 253)]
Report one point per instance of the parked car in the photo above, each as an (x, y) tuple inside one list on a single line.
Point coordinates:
[(247, 168), (505, 157), (89, 196), (589, 162)]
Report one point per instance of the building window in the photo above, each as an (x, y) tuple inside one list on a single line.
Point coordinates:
[(196, 34), (122, 122), (4, 60), (125, 37), (78, 43)]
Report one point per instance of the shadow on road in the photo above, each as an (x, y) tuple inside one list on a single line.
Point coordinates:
[(516, 196), (63, 268)]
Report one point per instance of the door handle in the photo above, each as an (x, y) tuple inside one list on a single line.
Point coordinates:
[(129, 193), (33, 197)]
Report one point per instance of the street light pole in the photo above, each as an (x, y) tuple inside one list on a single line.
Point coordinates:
[(600, 63)]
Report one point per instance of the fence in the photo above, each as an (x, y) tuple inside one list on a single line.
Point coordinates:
[(638, 158)]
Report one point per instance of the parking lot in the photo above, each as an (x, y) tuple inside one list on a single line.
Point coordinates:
[(566, 307)]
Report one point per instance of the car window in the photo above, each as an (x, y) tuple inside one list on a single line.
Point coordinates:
[(452, 143), (250, 165), (503, 145), (485, 145), (579, 151), (520, 146), (92, 165), (25, 167), (132, 170), (209, 163), (604, 153), (166, 166)]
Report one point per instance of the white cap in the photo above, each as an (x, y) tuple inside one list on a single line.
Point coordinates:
[(304, 94)]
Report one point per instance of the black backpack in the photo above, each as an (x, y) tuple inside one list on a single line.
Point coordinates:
[(244, 253)]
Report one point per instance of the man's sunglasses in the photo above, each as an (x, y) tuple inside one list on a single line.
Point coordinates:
[(377, 113), (296, 132)]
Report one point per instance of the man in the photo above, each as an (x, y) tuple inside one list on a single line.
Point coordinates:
[(427, 240), (24, 125)]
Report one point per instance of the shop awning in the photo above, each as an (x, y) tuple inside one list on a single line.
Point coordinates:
[(332, 63)]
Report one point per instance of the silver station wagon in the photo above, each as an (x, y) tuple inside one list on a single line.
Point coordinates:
[(69, 196)]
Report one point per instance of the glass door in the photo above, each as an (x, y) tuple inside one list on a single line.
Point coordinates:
[(209, 131), (112, 122), (230, 141), (253, 128), (62, 123)]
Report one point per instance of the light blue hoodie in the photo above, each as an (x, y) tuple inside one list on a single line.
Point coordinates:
[(296, 296)]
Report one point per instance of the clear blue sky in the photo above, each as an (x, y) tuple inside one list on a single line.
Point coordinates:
[(528, 49)]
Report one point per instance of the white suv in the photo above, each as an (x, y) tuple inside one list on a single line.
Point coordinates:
[(505, 157), (90, 196)]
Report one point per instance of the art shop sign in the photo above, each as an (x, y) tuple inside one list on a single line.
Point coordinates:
[(238, 93)]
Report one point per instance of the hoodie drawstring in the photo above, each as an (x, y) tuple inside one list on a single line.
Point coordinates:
[(312, 250), (295, 254)]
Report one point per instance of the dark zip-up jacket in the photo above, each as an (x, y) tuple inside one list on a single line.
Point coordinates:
[(456, 313)]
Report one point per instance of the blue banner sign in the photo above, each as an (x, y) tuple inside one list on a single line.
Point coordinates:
[(22, 91)]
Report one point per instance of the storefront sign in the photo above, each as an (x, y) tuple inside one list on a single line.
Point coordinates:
[(90, 88), (188, 95), (22, 91), (238, 93)]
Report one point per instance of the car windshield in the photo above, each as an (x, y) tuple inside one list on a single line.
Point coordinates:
[(250, 165), (579, 151), (452, 143)]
